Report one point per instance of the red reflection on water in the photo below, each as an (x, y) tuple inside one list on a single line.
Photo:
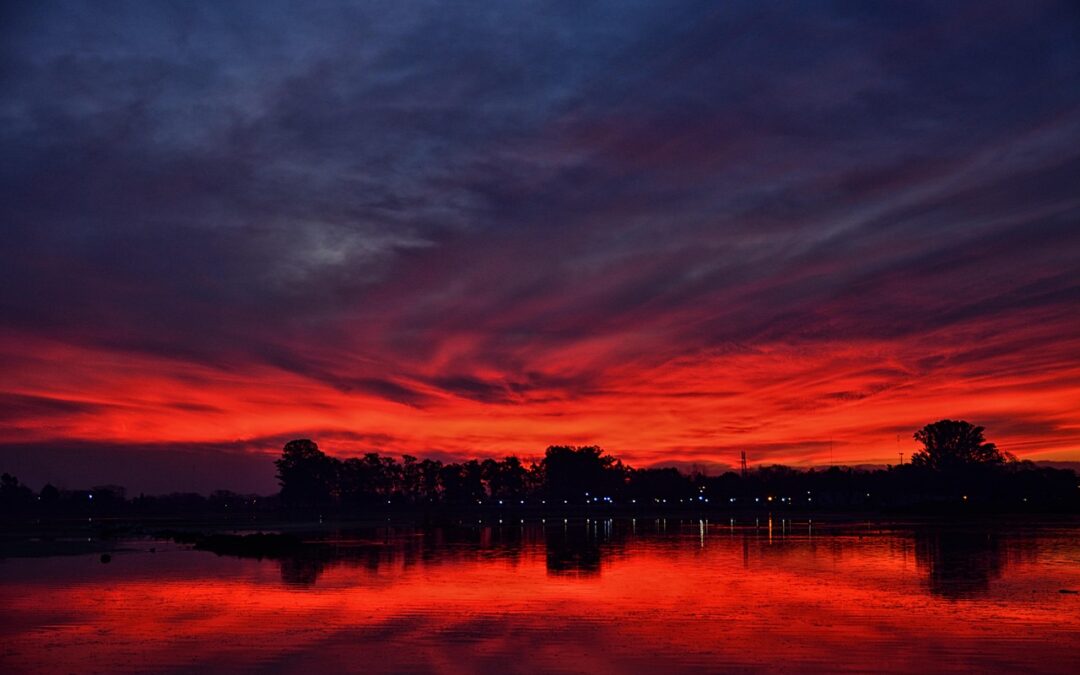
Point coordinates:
[(704, 598)]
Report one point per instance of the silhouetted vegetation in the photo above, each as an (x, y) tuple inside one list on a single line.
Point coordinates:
[(956, 470), (951, 446), (14, 495)]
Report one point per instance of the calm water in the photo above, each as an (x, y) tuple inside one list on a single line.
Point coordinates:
[(641, 596)]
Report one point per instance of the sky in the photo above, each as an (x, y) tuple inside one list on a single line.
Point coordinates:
[(676, 230)]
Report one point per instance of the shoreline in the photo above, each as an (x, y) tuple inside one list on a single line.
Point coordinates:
[(278, 536)]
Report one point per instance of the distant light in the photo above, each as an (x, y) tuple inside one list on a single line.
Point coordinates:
[(500, 502), (91, 496), (732, 499), (965, 498), (769, 498)]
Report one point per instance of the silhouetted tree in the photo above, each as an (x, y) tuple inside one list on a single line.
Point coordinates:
[(13, 494), (949, 444), (570, 472), (307, 476), (354, 485), (472, 475), (49, 496), (505, 479), (410, 479), (389, 474), (429, 480), (663, 484), (458, 486)]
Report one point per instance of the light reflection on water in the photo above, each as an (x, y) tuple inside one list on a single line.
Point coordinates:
[(645, 595)]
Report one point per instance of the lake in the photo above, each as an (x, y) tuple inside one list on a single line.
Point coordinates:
[(580, 596)]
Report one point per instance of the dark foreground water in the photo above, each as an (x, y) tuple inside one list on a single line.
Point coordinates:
[(646, 596)]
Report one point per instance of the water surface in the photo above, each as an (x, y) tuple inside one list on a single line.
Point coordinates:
[(592, 596)]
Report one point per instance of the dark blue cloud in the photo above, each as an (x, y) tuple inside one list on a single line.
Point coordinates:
[(336, 190)]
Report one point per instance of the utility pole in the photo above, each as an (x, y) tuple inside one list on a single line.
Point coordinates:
[(744, 464)]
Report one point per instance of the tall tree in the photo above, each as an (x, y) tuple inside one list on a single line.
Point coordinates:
[(307, 476), (949, 444), (570, 472)]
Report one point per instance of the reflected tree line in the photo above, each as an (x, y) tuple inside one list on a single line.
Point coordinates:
[(957, 562), (962, 563), (574, 549)]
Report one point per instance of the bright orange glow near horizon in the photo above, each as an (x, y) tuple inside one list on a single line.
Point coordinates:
[(847, 403)]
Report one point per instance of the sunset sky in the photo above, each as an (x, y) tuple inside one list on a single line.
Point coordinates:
[(456, 229)]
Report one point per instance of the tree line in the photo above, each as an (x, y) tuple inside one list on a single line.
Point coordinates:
[(311, 478), (956, 468), (956, 465)]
